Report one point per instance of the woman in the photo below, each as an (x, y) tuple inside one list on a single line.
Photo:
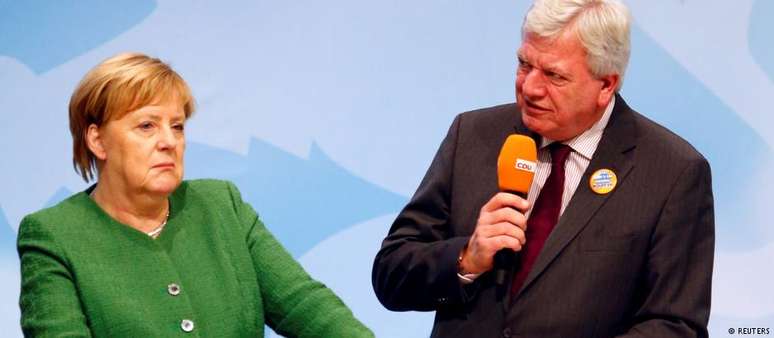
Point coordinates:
[(143, 253)]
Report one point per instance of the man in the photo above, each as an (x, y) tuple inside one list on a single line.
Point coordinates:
[(616, 237)]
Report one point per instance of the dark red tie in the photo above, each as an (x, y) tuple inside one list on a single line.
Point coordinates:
[(544, 216)]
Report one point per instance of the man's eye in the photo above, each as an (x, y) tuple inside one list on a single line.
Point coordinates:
[(554, 76)]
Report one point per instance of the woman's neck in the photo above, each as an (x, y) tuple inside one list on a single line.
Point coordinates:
[(142, 211)]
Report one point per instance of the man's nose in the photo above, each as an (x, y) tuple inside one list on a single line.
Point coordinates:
[(533, 84)]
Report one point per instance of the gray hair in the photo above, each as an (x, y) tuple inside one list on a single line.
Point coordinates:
[(601, 25)]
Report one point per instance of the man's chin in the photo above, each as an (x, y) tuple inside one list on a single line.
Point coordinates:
[(532, 122), (541, 127)]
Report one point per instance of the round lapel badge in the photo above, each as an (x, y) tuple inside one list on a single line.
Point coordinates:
[(603, 181)]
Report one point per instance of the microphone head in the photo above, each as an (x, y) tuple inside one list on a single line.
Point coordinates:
[(516, 164)]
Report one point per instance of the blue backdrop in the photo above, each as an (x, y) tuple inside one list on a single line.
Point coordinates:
[(327, 114)]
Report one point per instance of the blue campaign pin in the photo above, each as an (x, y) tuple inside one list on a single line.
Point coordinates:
[(603, 181)]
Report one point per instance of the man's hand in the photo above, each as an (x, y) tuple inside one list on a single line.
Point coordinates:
[(501, 224)]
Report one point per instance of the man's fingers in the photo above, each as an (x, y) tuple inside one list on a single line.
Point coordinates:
[(501, 229), (505, 242), (508, 215), (504, 199)]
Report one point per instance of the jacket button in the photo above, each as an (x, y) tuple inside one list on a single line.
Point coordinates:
[(173, 289), (507, 332), (187, 325)]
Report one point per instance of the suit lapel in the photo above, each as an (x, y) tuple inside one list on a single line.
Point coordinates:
[(613, 152)]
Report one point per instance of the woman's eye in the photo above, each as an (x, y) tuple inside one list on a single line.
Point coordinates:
[(179, 127), (146, 126)]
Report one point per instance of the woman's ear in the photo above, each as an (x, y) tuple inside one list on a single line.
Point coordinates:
[(94, 142)]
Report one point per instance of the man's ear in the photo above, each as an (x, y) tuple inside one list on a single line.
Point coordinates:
[(608, 90), (94, 142)]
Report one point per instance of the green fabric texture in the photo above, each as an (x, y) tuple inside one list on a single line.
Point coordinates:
[(85, 274)]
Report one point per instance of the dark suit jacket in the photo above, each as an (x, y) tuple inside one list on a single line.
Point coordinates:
[(636, 262)]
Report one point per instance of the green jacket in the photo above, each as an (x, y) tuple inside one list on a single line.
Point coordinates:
[(215, 271)]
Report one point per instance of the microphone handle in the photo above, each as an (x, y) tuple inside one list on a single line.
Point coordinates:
[(505, 259)]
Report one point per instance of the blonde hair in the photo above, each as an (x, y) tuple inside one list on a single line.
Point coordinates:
[(118, 85), (603, 27)]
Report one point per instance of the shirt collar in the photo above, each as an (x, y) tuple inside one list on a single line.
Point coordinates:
[(586, 143)]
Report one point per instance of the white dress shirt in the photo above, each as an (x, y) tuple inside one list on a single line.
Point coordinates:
[(583, 148)]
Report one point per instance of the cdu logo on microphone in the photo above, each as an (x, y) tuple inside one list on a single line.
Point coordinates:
[(525, 165)]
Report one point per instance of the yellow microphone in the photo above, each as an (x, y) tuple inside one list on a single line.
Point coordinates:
[(515, 170), (516, 164)]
